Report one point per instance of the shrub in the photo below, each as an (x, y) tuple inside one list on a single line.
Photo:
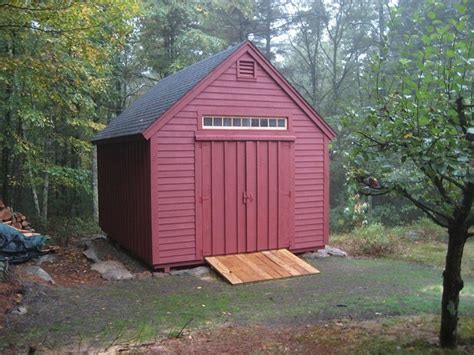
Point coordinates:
[(373, 239), (62, 229), (339, 220)]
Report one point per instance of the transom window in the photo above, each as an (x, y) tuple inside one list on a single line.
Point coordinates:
[(221, 122)]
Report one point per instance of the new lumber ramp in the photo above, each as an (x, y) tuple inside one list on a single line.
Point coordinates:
[(260, 266)]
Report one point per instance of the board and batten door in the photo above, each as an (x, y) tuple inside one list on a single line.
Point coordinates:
[(244, 196)]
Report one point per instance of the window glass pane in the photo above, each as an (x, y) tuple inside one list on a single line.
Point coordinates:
[(227, 122), (245, 122), (208, 121)]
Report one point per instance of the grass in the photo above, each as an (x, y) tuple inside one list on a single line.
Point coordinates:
[(422, 242), (434, 253), (405, 282), (144, 310)]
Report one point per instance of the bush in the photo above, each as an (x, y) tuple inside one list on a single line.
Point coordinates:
[(373, 239), (369, 240), (339, 220), (422, 230), (62, 229)]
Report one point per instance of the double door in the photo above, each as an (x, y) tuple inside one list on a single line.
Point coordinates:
[(244, 196)]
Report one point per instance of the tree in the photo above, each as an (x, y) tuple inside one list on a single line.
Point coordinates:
[(56, 63), (418, 140), (179, 33)]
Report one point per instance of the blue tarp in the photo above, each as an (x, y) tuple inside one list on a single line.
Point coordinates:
[(17, 248)]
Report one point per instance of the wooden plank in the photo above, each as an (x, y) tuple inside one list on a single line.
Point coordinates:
[(291, 263), (276, 269), (253, 267), (240, 269), (260, 266), (299, 261), (222, 269), (280, 261)]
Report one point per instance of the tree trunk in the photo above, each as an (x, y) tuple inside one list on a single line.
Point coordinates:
[(34, 192), (452, 285), (44, 215), (95, 186)]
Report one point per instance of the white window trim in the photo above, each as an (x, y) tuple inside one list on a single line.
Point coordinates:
[(259, 128)]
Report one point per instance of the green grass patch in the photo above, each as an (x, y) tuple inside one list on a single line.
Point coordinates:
[(423, 243), (145, 310)]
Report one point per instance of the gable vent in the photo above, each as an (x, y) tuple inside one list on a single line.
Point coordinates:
[(246, 69)]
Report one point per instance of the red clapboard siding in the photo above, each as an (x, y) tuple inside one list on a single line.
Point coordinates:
[(124, 195), (176, 175), (175, 197)]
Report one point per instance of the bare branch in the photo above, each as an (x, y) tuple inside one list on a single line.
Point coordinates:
[(437, 217)]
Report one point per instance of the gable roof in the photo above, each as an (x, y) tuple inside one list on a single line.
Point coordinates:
[(151, 111), (149, 107)]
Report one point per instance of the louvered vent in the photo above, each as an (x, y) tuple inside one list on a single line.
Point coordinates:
[(246, 69)]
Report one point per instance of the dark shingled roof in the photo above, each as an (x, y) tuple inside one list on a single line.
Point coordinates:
[(155, 102)]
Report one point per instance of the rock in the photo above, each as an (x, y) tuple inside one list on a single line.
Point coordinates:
[(143, 275), (413, 234), (117, 275), (91, 254), (112, 270), (320, 254), (335, 252), (199, 271), (48, 258), (324, 253), (20, 310), (97, 236), (37, 271)]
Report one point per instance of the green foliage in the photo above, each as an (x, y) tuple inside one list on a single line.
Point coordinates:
[(414, 139), (374, 240), (56, 66), (63, 229)]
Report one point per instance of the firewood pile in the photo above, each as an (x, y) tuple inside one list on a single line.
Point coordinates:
[(15, 219)]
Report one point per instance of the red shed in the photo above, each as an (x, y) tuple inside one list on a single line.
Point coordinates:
[(223, 157)]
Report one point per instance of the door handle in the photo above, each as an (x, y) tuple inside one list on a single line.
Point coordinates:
[(246, 197)]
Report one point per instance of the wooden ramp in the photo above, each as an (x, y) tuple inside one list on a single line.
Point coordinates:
[(260, 266)]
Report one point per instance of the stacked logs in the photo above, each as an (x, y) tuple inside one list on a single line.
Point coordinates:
[(14, 219)]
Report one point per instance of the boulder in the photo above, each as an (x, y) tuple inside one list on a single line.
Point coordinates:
[(320, 254), (326, 252), (112, 270), (335, 251), (91, 254), (39, 272), (48, 258), (20, 310), (199, 271)]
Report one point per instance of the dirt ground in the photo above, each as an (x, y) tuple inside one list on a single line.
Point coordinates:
[(10, 296), (183, 313), (395, 335)]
